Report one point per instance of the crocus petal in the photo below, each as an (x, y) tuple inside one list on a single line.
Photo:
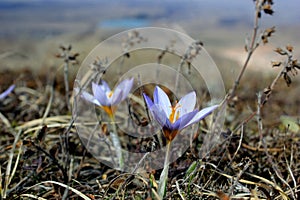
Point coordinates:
[(161, 98), (104, 86), (202, 114), (7, 92), (103, 100), (90, 98), (156, 111), (168, 125), (125, 86), (116, 97), (184, 120), (148, 101), (187, 103), (159, 115), (100, 94)]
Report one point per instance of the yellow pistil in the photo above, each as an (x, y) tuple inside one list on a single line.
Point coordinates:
[(173, 112)]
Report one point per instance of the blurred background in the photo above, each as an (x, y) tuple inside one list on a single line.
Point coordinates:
[(32, 30)]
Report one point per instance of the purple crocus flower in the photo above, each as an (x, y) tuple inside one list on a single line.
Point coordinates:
[(173, 119), (7, 92), (106, 98)]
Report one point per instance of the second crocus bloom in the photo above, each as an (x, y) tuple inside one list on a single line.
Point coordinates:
[(106, 98), (174, 118)]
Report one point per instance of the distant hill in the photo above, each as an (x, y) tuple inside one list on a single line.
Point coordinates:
[(54, 17)]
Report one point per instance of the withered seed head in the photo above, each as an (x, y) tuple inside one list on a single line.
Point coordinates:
[(287, 79), (276, 63), (264, 39), (289, 48), (268, 9), (280, 51), (269, 31), (267, 90)]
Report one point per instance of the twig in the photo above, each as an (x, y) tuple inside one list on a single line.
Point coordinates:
[(80, 194), (294, 194), (260, 126), (32, 196), (289, 64), (265, 183), (192, 51), (140, 162), (251, 49), (272, 86), (68, 58), (246, 166), (179, 191), (259, 119), (275, 168), (66, 80), (5, 120), (8, 174), (54, 160), (51, 88), (239, 146)]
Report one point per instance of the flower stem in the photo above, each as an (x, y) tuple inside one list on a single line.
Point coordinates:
[(164, 174), (66, 80), (116, 142)]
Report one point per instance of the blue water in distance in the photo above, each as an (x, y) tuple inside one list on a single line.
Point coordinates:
[(124, 23)]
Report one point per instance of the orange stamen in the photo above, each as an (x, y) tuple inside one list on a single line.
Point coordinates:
[(109, 95), (109, 110), (173, 112)]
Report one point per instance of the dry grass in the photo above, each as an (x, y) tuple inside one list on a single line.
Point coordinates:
[(42, 157)]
